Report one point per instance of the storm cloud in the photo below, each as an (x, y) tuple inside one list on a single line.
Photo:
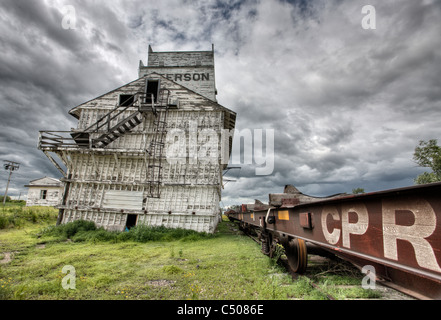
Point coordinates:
[(347, 105)]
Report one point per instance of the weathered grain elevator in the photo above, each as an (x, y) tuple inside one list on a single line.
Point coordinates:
[(149, 152)]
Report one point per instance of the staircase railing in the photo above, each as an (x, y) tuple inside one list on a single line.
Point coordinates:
[(53, 140), (108, 117)]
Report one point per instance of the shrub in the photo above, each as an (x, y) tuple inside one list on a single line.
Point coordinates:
[(17, 216), (70, 229), (4, 222), (144, 233), (81, 230), (8, 198), (172, 269)]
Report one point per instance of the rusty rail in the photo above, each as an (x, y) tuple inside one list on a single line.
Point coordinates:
[(398, 232)]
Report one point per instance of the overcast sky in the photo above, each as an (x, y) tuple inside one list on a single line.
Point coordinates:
[(347, 104)]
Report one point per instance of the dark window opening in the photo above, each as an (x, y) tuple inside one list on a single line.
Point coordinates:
[(131, 220), (152, 88), (43, 194), (126, 99)]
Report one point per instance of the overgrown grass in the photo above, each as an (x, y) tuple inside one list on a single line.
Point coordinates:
[(143, 263), (227, 266), (18, 216), (81, 230)]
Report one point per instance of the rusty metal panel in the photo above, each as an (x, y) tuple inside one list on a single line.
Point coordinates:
[(397, 231), (305, 220), (395, 228)]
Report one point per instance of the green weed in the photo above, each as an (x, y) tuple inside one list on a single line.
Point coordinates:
[(81, 230), (18, 216), (172, 269), (143, 263)]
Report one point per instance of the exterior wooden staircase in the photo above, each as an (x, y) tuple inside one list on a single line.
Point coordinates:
[(107, 131), (124, 126), (121, 128)]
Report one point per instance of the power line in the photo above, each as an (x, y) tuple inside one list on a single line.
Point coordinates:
[(11, 166)]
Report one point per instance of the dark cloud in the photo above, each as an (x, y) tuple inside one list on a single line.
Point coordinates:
[(357, 100), (347, 105)]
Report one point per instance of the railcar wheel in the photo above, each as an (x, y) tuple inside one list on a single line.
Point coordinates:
[(297, 255), (266, 240)]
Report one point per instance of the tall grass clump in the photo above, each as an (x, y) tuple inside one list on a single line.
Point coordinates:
[(81, 230), (18, 216), (144, 233), (69, 230)]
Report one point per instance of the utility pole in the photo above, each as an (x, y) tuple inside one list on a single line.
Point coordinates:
[(11, 166)]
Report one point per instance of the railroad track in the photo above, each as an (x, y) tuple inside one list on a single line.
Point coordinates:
[(395, 233), (387, 290), (382, 288), (284, 264)]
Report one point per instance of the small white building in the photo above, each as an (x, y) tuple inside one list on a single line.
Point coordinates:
[(44, 192)]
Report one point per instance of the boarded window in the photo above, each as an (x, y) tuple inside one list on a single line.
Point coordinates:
[(121, 199)]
